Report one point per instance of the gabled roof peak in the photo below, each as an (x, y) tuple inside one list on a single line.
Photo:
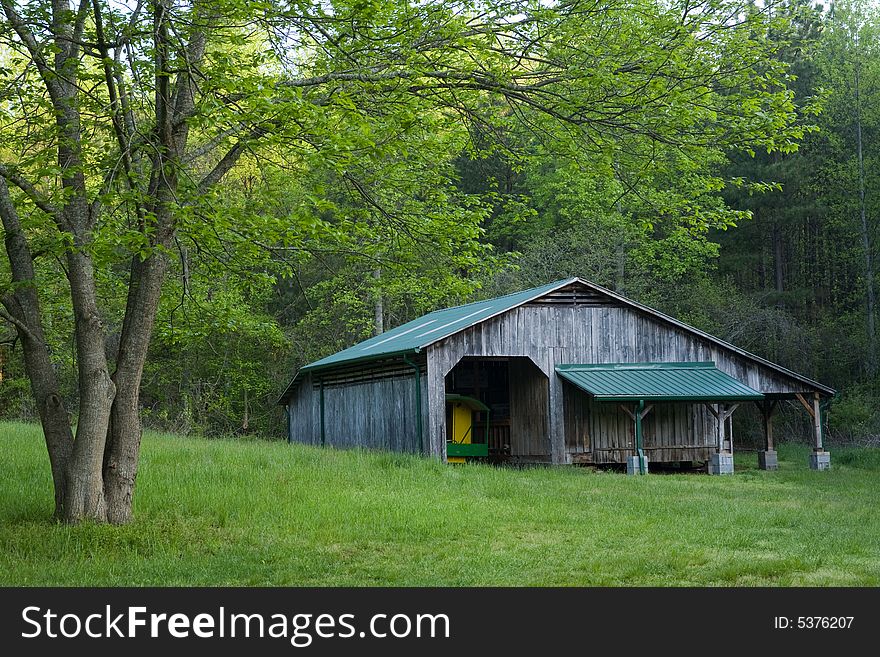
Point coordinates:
[(416, 335), (428, 329)]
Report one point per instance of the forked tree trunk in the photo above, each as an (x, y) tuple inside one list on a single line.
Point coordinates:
[(84, 490), (378, 307), (95, 473), (122, 453)]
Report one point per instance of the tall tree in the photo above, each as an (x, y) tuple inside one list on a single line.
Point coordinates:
[(851, 70)]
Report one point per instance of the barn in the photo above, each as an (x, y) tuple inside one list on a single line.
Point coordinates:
[(566, 373)]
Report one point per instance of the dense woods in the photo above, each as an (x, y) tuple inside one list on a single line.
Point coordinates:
[(197, 198)]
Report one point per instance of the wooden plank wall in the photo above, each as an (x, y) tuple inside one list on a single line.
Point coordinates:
[(553, 334), (528, 410), (302, 410), (602, 433), (377, 414), (578, 432)]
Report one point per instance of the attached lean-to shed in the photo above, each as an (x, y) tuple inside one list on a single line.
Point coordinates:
[(569, 373)]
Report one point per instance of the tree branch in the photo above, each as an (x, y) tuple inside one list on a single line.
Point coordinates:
[(24, 185), (110, 80), (17, 323), (30, 42), (222, 167)]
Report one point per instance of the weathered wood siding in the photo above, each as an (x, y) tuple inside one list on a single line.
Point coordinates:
[(579, 433), (679, 432), (303, 414), (600, 432), (611, 333), (377, 413), (529, 399)]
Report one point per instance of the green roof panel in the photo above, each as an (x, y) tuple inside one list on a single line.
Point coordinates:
[(657, 382), (430, 328)]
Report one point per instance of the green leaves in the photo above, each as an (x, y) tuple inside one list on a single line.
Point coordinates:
[(377, 149)]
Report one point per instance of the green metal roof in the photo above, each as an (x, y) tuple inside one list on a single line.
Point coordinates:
[(657, 382), (419, 333)]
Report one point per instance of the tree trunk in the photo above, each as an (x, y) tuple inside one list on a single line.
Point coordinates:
[(378, 307), (84, 487), (122, 455), (23, 305), (620, 269), (778, 271), (84, 491), (125, 431), (94, 474), (870, 297)]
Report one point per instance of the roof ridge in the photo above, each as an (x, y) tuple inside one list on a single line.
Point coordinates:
[(438, 324), (503, 296), (654, 364)]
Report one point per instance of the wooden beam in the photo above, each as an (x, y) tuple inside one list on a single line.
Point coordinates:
[(817, 422), (805, 404), (728, 412), (722, 414), (632, 414), (767, 407)]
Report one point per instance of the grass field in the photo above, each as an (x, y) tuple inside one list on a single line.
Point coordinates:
[(216, 512)]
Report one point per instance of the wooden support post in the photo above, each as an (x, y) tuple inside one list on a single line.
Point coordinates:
[(767, 459), (435, 438), (639, 452), (722, 461), (768, 410), (728, 415), (819, 459), (718, 412), (556, 425), (637, 463)]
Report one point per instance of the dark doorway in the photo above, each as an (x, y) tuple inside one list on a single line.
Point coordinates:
[(516, 392), (489, 382)]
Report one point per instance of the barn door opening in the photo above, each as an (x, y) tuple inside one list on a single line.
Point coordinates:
[(516, 393)]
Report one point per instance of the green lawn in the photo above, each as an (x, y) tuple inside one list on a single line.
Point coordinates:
[(216, 512)]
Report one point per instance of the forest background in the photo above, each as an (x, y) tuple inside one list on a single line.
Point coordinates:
[(762, 230)]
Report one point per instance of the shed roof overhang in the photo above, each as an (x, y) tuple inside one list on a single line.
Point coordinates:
[(623, 382)]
